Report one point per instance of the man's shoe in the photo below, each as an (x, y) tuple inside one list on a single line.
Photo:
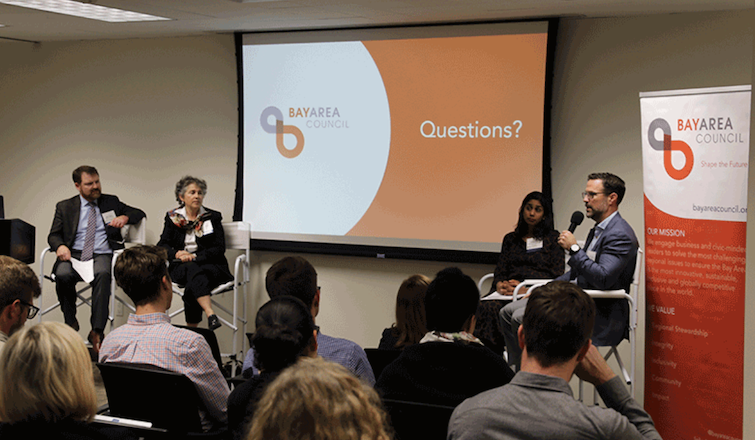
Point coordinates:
[(95, 338), (213, 322)]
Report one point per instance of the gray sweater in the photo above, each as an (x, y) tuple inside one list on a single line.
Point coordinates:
[(535, 406)]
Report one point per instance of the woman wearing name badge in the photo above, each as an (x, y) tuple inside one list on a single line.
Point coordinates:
[(531, 251), (193, 236)]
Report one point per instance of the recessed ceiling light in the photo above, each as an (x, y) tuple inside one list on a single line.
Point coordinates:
[(84, 10)]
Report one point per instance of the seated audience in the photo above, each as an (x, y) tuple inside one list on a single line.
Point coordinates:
[(296, 277), (46, 386), (18, 288), (284, 332), (538, 403), (449, 364), (317, 399), (149, 338), (194, 238), (530, 251), (410, 325)]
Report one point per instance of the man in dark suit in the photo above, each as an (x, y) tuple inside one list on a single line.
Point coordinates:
[(88, 227), (606, 263)]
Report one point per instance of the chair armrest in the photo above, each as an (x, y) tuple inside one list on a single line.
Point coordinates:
[(527, 284)]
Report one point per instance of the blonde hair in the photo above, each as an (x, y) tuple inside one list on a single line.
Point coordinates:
[(319, 400), (46, 375)]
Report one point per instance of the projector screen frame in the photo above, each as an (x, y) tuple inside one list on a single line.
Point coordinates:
[(380, 251)]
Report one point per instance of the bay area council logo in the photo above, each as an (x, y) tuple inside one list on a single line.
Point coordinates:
[(279, 129), (667, 145)]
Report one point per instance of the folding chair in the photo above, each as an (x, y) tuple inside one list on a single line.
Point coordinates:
[(237, 236), (134, 234)]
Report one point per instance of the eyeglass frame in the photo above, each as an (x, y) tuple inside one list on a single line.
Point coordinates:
[(591, 195), (33, 310)]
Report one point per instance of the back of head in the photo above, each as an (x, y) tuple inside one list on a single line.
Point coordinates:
[(17, 281), (292, 276), (139, 271), (46, 376), (411, 323), (450, 301), (558, 322), (319, 400), (285, 329), (611, 184)]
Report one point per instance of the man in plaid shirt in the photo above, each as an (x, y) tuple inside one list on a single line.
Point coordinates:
[(149, 338)]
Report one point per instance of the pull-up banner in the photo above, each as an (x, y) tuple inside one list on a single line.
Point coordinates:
[(695, 149)]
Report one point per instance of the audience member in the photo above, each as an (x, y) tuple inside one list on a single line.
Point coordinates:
[(449, 364), (87, 227), (284, 332), (149, 338), (194, 238), (606, 263), (410, 325), (530, 251), (18, 288), (538, 403), (296, 277), (317, 399), (46, 386)]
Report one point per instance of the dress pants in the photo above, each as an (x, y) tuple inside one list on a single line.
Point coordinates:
[(511, 316), (65, 286)]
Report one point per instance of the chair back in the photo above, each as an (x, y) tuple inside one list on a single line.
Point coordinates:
[(380, 358), (136, 233), (237, 235), (143, 392), (416, 420)]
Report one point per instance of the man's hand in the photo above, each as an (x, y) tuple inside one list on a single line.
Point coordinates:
[(63, 253), (566, 240), (185, 256), (119, 221), (593, 368)]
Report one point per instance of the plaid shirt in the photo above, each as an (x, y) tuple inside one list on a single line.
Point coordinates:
[(340, 351), (151, 339)]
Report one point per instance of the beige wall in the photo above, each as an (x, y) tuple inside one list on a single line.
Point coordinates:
[(146, 112)]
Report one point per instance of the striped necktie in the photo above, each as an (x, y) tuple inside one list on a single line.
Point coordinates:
[(88, 252)]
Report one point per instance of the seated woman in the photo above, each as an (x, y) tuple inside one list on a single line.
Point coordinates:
[(193, 236), (285, 331), (318, 399), (531, 251), (46, 386), (410, 325)]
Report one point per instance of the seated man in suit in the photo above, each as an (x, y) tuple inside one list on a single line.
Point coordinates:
[(149, 338), (88, 227), (296, 277), (606, 263), (538, 403), (449, 364), (18, 288)]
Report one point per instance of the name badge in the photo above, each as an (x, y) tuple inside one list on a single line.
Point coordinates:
[(534, 244), (108, 217), (207, 228)]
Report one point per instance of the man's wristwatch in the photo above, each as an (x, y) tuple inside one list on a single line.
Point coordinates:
[(574, 249)]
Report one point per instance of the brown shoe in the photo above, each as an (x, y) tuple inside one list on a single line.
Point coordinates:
[(95, 338)]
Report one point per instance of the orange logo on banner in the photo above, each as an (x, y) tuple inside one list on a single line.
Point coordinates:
[(279, 130), (668, 145)]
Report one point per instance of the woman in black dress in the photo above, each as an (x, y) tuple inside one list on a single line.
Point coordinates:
[(531, 251), (194, 238)]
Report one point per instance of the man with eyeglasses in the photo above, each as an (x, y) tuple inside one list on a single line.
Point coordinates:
[(18, 288), (606, 263)]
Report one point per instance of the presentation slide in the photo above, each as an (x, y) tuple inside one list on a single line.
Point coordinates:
[(427, 139)]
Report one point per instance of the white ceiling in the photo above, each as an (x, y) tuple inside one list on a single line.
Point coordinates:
[(194, 17)]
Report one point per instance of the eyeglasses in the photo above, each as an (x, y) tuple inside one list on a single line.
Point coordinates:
[(590, 195), (32, 310)]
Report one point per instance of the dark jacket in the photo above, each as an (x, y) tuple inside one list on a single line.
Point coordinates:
[(210, 247)]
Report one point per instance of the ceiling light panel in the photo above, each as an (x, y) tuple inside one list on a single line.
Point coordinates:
[(84, 10)]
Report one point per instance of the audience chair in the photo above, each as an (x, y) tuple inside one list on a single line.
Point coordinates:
[(379, 359), (416, 420), (237, 236), (166, 399), (632, 298), (132, 234)]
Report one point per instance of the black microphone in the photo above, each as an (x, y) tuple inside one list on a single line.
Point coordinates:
[(576, 220)]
